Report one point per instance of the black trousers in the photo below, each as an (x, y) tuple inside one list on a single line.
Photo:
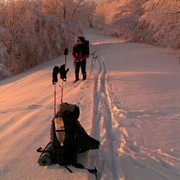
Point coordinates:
[(77, 66)]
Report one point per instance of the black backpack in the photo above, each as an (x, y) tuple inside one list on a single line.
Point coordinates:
[(67, 140), (86, 45), (63, 138)]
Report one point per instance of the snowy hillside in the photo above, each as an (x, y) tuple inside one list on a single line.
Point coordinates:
[(131, 103)]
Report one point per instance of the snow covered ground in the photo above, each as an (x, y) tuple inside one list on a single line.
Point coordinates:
[(131, 103)]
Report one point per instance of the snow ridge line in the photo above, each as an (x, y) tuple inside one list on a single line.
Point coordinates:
[(102, 125), (28, 107)]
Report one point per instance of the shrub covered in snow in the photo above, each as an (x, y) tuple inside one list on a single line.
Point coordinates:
[(4, 72), (162, 19)]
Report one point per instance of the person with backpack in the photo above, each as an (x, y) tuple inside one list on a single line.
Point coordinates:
[(80, 54)]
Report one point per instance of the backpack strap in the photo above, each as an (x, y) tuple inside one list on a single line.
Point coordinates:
[(76, 165), (46, 157), (40, 149), (68, 169)]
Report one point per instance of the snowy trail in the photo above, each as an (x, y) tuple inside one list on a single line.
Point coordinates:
[(131, 103)]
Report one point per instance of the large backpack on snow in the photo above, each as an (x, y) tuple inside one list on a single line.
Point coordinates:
[(68, 139), (63, 135)]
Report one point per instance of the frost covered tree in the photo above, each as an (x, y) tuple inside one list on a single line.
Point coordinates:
[(105, 10), (152, 21), (126, 19), (37, 31), (119, 17), (90, 8), (162, 22), (5, 62), (20, 38)]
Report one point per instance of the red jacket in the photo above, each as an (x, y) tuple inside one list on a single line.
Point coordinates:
[(79, 53)]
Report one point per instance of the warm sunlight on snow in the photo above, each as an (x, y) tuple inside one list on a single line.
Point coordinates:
[(130, 103)]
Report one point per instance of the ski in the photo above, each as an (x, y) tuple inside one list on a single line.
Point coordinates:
[(77, 83)]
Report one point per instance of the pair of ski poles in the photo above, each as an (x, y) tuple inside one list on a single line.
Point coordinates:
[(94, 58), (61, 97)]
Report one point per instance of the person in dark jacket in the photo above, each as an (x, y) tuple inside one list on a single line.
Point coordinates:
[(79, 56)]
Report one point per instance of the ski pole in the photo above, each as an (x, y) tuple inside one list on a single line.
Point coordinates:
[(61, 100), (54, 100), (65, 54), (93, 61)]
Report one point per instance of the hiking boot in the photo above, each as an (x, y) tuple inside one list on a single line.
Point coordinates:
[(76, 80), (84, 77)]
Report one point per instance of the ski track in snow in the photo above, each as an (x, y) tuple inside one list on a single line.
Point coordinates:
[(102, 119), (106, 110)]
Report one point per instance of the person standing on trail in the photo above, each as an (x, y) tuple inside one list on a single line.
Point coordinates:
[(80, 54)]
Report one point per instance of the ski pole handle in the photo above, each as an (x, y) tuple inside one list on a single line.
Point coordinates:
[(66, 50)]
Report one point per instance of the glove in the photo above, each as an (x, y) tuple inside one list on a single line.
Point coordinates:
[(54, 74), (63, 72)]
